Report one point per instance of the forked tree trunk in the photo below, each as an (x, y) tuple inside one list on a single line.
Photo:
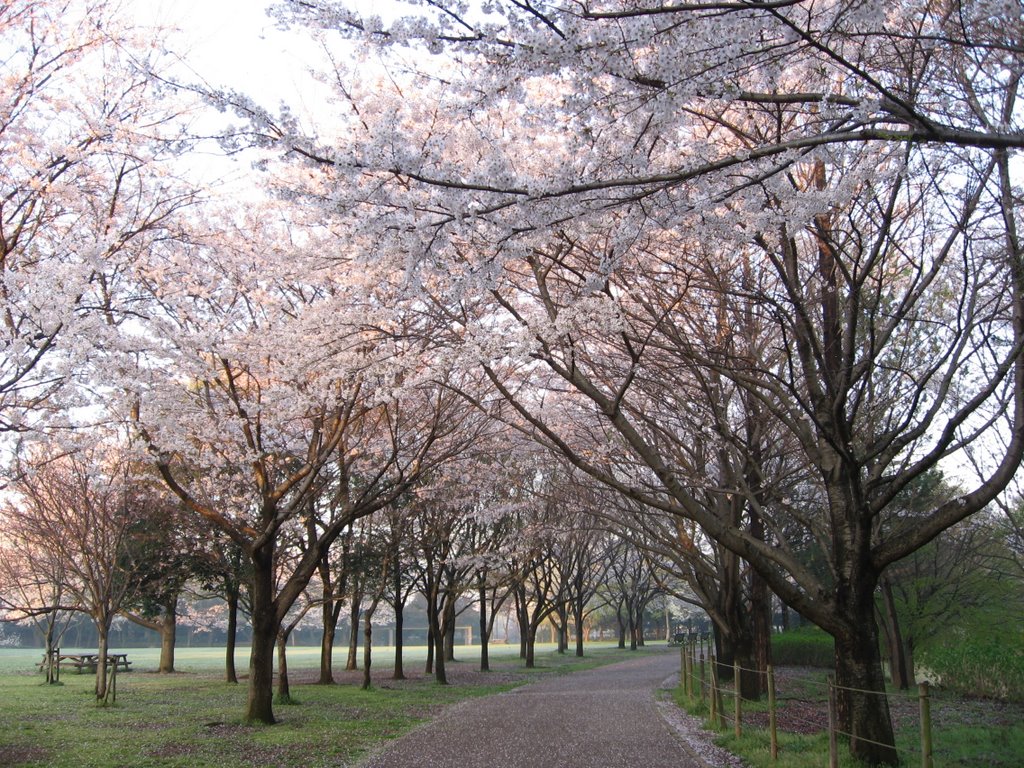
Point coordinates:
[(437, 640), (329, 625), (52, 662), (562, 629), (103, 636)]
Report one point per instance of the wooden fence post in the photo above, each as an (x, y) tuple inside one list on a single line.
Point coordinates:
[(736, 670), (926, 726), (833, 720), (772, 723)]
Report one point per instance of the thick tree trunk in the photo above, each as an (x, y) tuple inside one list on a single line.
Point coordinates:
[(230, 675), (103, 637), (165, 625), (168, 630), (428, 668), (329, 616), (399, 673), (284, 690), (622, 627), (531, 645), (760, 622), (449, 628), (52, 663), (265, 625), (733, 645), (863, 706)]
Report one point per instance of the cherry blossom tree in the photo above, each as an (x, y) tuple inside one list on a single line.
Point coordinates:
[(276, 384), (86, 186), (83, 508), (856, 156), (33, 587)]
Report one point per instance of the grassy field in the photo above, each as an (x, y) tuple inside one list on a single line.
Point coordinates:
[(211, 660), (193, 719)]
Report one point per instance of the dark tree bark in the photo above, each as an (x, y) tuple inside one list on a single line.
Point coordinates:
[(168, 630), (437, 636), (428, 667), (103, 637), (859, 677), (368, 642), (230, 675), (399, 673), (265, 625), (353, 628), (485, 664), (330, 612), (531, 645), (578, 621), (448, 612), (284, 690), (622, 625), (898, 668)]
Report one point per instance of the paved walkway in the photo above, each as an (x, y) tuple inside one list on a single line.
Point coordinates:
[(603, 718)]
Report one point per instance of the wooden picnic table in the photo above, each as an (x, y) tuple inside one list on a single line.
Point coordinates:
[(88, 661)]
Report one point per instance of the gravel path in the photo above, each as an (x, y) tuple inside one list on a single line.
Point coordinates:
[(605, 717)]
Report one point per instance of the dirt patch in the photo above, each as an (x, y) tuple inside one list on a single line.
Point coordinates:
[(13, 754)]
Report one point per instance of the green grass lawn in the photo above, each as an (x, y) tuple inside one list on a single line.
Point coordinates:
[(193, 719), (967, 732)]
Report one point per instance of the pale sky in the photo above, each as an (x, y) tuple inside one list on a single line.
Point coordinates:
[(232, 43)]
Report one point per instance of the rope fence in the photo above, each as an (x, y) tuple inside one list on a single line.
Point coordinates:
[(699, 679)]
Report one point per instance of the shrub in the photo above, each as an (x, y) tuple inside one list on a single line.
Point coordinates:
[(978, 664), (807, 646)]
